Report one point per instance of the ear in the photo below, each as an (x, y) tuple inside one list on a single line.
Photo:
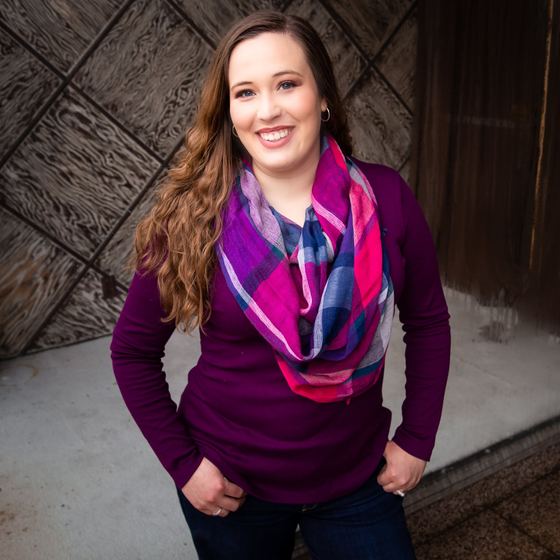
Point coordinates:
[(324, 105)]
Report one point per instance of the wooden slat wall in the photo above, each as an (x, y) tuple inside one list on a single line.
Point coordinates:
[(479, 103), (543, 299), (96, 97)]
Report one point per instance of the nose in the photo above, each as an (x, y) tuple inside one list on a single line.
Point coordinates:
[(268, 108)]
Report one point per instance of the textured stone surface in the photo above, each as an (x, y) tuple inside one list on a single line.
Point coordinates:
[(443, 514), (484, 537), (525, 509)]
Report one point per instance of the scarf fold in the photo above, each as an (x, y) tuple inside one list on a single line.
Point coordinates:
[(326, 304)]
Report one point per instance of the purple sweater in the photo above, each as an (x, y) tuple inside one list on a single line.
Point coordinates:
[(238, 410)]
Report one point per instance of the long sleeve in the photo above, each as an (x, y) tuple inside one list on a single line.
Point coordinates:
[(425, 318), (137, 349)]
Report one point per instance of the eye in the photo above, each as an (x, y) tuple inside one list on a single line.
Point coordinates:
[(244, 93), (285, 86)]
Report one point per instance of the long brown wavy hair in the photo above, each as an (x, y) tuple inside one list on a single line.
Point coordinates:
[(176, 240)]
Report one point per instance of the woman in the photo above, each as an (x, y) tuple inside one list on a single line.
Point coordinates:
[(289, 256)]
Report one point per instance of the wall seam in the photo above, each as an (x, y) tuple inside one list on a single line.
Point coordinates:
[(66, 78), (372, 63), (91, 260), (542, 130), (44, 233), (116, 122), (192, 24)]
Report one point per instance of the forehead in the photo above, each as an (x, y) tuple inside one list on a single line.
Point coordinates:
[(265, 55)]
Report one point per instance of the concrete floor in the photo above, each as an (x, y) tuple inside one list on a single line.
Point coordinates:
[(78, 481)]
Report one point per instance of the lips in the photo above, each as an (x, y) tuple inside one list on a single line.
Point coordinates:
[(274, 138)]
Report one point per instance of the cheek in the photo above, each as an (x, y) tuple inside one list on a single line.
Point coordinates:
[(240, 116), (307, 108)]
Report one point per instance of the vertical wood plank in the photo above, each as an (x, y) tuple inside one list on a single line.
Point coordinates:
[(543, 301), (476, 157), (433, 98)]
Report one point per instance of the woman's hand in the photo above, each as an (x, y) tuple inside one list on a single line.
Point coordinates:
[(208, 490), (402, 471)]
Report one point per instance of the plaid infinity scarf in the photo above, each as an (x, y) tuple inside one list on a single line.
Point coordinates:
[(324, 302)]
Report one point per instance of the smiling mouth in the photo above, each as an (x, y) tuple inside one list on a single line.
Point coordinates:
[(275, 136)]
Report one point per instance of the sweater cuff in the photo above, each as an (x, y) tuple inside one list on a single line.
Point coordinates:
[(415, 446), (182, 474)]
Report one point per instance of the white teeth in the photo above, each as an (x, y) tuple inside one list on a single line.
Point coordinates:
[(273, 137)]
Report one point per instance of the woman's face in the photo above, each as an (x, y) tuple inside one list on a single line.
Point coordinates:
[(275, 104)]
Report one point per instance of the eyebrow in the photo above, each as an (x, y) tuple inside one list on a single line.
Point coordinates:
[(281, 73)]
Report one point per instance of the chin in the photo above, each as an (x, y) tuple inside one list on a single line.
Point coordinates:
[(277, 165), (278, 162)]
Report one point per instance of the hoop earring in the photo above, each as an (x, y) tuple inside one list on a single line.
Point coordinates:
[(328, 117), (234, 131)]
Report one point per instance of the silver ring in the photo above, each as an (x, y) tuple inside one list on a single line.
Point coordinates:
[(218, 512), (400, 493)]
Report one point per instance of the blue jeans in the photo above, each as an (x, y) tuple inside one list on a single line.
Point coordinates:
[(368, 524)]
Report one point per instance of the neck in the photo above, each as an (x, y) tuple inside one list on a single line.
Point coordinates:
[(289, 193)]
